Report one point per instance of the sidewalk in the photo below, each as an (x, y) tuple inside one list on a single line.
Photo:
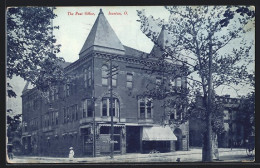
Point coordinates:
[(193, 155)]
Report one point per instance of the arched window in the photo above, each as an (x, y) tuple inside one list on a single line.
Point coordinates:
[(104, 75), (106, 107)]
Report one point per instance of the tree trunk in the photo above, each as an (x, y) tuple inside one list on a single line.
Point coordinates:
[(207, 156), (214, 147)]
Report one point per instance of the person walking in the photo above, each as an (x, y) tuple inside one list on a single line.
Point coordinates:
[(71, 154)]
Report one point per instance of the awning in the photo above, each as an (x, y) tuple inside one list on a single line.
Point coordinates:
[(158, 134), (109, 125), (85, 126)]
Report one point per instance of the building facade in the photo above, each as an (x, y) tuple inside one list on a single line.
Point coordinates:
[(233, 135), (78, 113)]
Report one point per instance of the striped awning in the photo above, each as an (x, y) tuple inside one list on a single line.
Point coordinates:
[(109, 125), (158, 133), (85, 126)]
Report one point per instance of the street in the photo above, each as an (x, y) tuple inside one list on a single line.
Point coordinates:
[(193, 155)]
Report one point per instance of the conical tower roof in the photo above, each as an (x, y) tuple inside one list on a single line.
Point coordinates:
[(162, 41), (102, 38), (27, 87)]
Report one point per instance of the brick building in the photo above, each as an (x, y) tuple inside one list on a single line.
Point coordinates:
[(78, 113), (233, 130)]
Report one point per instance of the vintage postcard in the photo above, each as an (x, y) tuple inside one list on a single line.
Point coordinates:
[(130, 84)]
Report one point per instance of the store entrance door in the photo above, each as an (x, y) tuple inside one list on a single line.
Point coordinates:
[(132, 139)]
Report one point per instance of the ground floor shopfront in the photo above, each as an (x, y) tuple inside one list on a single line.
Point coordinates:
[(128, 138)]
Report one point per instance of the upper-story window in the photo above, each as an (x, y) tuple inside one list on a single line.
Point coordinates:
[(52, 94), (87, 76), (64, 115), (145, 108), (56, 117), (66, 89), (104, 75), (184, 81), (25, 126), (158, 82), (87, 110), (114, 77), (129, 80), (106, 110), (74, 110), (178, 82)]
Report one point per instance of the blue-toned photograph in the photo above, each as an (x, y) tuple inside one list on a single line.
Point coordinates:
[(130, 84)]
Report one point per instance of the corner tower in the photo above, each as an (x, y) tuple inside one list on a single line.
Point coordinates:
[(102, 38)]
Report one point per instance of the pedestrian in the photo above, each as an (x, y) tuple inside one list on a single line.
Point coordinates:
[(71, 154)]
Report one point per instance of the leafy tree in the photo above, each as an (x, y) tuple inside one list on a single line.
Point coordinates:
[(14, 130), (31, 47), (31, 55), (246, 114), (215, 49)]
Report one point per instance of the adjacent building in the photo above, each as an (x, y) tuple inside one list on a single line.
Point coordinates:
[(233, 135), (78, 114)]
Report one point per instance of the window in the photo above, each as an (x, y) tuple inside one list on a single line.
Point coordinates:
[(72, 113), (114, 77), (68, 114), (56, 117), (66, 89), (172, 116), (145, 108), (172, 84), (179, 112), (142, 109), (52, 118), (104, 75), (158, 81), (106, 107), (76, 112), (87, 108), (183, 80), (129, 80), (178, 82), (84, 108), (46, 120), (64, 115), (52, 94), (56, 93), (89, 76), (85, 78)]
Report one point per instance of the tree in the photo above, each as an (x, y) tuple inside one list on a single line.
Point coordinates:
[(246, 114), (31, 47), (205, 37), (14, 131), (31, 55)]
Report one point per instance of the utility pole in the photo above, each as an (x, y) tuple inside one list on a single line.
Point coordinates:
[(110, 74), (93, 108), (111, 109)]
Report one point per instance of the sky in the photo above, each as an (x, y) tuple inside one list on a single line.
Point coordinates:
[(75, 28)]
